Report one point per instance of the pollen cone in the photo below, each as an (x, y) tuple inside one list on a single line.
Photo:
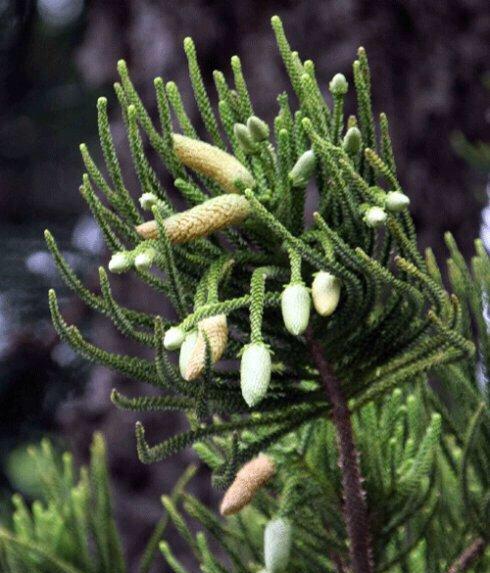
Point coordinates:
[(200, 221), (248, 481), (215, 328)]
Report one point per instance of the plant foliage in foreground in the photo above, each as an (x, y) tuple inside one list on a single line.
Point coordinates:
[(312, 345)]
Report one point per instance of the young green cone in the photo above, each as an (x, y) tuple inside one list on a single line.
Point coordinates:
[(147, 200), (244, 137), (352, 141), (325, 292), (173, 339), (255, 372), (396, 201), (257, 128), (186, 352), (303, 169), (144, 260), (277, 544), (120, 262), (375, 217), (338, 85), (295, 307)]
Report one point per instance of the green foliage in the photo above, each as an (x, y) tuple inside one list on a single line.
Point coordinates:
[(423, 455), (69, 527)]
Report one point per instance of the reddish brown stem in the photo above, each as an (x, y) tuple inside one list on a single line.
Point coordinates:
[(354, 507), (468, 557)]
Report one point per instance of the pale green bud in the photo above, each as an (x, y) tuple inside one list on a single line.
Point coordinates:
[(325, 292), (352, 141), (174, 337), (277, 544), (338, 85), (144, 260), (396, 201), (148, 200), (303, 169), (375, 217), (186, 352), (120, 262), (255, 372), (257, 128), (295, 307), (244, 138)]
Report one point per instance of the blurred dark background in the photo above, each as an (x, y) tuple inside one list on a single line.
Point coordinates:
[(429, 60)]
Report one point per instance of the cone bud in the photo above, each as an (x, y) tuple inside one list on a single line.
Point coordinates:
[(277, 544), (303, 169), (375, 217), (244, 138), (144, 260), (396, 201), (174, 337), (325, 292), (255, 372), (120, 262), (352, 141), (148, 200), (257, 128), (186, 351), (251, 477), (295, 307), (338, 85)]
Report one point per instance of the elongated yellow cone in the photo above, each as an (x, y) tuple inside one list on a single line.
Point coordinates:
[(200, 221), (212, 162)]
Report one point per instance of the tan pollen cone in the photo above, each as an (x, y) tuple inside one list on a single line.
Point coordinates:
[(248, 481), (200, 221), (212, 162), (215, 328)]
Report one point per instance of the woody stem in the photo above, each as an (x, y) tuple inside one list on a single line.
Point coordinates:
[(354, 508)]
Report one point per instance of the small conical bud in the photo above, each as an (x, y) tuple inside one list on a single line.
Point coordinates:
[(303, 169), (375, 217), (174, 337), (295, 307), (144, 260), (338, 85), (244, 138), (215, 329), (186, 351), (251, 477), (147, 200), (325, 292), (258, 129), (277, 544), (352, 141), (396, 201), (120, 262), (255, 372)]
